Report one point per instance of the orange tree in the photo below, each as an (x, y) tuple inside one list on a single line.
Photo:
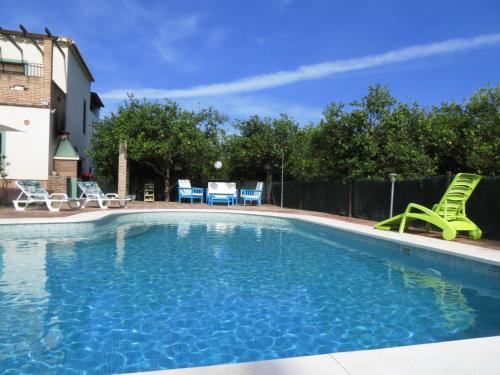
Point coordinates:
[(160, 135)]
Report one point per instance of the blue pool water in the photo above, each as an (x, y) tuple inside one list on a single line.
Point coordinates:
[(149, 292)]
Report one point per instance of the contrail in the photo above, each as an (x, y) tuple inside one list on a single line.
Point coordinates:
[(314, 71)]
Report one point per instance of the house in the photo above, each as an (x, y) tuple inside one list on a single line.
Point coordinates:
[(47, 109)]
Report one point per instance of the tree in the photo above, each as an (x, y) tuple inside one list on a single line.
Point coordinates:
[(161, 136), (481, 137), (260, 146)]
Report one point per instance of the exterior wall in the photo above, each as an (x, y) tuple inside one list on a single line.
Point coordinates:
[(28, 150), (57, 184), (66, 168), (78, 91), (59, 62), (63, 86), (37, 91), (30, 53)]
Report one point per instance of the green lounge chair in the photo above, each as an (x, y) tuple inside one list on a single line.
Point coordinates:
[(448, 215)]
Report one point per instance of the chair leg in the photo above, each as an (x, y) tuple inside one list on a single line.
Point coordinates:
[(48, 203), (18, 207), (102, 205)]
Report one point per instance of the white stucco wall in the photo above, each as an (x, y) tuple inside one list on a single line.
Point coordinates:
[(78, 91), (30, 52), (59, 66), (27, 151)]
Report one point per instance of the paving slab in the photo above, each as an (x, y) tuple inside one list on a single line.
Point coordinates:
[(462, 357), (311, 365)]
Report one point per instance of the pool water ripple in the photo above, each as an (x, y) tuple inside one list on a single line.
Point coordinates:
[(156, 296)]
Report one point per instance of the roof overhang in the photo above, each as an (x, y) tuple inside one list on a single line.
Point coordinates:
[(95, 100)]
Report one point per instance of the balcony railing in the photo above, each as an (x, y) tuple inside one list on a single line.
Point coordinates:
[(32, 70)]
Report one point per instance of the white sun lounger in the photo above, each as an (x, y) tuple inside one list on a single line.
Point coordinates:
[(33, 193), (91, 192)]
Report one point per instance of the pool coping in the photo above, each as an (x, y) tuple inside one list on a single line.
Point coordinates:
[(478, 356)]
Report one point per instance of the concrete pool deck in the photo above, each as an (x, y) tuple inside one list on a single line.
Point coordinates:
[(462, 357), (474, 356)]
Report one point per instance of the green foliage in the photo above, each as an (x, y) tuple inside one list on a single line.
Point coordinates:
[(161, 136), (370, 138), (3, 164), (257, 151)]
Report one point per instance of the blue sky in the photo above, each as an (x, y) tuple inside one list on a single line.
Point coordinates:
[(275, 56)]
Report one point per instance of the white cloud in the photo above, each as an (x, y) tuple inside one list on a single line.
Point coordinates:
[(172, 32), (284, 3), (310, 72)]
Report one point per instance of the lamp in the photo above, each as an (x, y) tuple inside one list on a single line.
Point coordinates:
[(392, 177)]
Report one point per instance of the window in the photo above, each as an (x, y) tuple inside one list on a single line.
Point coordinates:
[(84, 116)]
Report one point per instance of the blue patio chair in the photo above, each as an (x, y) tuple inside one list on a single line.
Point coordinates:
[(188, 192), (253, 195)]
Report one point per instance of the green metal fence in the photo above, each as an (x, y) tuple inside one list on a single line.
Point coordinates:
[(370, 199)]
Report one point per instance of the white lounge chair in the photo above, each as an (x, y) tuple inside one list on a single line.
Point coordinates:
[(187, 192), (32, 192), (253, 195), (91, 192), (222, 192)]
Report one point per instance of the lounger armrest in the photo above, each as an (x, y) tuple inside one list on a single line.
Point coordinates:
[(111, 195), (196, 190), (59, 195)]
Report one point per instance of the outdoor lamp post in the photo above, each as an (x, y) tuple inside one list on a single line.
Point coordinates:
[(392, 177)]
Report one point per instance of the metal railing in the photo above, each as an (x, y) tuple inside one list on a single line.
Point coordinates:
[(34, 70)]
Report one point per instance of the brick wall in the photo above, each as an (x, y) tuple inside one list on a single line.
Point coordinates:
[(57, 184), (66, 168), (123, 171), (37, 89)]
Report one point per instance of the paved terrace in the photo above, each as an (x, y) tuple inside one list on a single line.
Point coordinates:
[(10, 213)]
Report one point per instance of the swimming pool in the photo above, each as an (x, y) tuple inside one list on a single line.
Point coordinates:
[(141, 292)]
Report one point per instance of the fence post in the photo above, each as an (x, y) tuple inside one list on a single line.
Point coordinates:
[(301, 199), (448, 178), (350, 198)]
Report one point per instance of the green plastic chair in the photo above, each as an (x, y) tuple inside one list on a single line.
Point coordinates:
[(448, 215)]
